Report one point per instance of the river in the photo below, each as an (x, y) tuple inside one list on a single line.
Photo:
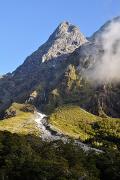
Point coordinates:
[(49, 133)]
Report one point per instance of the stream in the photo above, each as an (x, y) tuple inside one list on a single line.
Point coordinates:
[(49, 133)]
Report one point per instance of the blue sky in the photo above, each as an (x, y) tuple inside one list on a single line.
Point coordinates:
[(26, 24)]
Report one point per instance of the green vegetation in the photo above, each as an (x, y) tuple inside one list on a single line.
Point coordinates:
[(73, 121), (107, 133), (23, 155), (71, 89), (22, 123), (27, 157), (78, 123)]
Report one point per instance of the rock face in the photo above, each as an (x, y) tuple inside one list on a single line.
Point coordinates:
[(98, 98), (54, 75), (42, 69), (64, 40)]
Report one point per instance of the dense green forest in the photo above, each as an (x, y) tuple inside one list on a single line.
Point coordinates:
[(27, 157)]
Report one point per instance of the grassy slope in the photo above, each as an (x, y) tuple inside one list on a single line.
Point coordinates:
[(77, 123), (22, 123), (70, 120), (73, 121)]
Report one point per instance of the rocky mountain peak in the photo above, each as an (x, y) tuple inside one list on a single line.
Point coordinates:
[(64, 29), (66, 53), (63, 41)]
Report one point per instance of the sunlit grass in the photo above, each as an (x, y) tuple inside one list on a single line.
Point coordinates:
[(74, 121), (22, 123), (78, 123)]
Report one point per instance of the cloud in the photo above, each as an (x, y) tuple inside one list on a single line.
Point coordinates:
[(107, 68)]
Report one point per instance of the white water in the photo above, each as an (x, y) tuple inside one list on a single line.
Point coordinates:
[(46, 134), (49, 133)]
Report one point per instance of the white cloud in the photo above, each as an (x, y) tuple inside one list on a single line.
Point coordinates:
[(107, 69)]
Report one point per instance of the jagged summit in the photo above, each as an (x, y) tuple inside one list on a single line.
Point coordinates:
[(64, 28), (64, 40)]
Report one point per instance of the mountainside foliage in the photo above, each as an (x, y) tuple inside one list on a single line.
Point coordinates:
[(78, 123), (27, 157)]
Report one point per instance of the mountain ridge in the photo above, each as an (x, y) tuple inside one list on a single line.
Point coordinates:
[(56, 112), (53, 75)]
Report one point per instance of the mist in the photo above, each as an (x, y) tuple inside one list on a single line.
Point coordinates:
[(107, 68)]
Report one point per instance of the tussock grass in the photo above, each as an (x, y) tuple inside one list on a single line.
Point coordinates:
[(22, 123), (78, 123), (74, 121)]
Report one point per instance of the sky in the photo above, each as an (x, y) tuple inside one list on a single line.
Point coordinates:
[(26, 24)]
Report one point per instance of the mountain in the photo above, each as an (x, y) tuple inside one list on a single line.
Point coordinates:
[(43, 68), (55, 74), (75, 81), (88, 81)]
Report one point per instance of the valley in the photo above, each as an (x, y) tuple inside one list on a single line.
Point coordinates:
[(60, 109)]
